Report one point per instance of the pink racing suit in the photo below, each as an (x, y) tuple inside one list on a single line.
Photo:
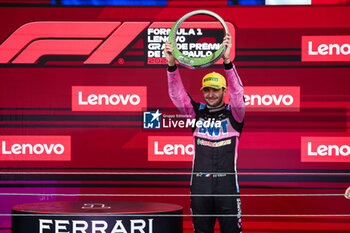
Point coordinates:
[(214, 165)]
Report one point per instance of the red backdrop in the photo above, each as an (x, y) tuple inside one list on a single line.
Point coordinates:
[(36, 99)]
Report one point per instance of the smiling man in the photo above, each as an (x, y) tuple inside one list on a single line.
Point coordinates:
[(214, 89), (214, 185)]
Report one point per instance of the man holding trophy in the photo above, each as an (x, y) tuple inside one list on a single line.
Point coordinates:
[(214, 185)]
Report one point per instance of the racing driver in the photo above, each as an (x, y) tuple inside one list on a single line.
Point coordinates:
[(214, 187)]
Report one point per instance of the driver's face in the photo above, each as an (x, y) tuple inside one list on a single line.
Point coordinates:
[(214, 97)]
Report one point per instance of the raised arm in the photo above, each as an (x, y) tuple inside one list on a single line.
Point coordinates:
[(177, 92), (236, 92), (347, 193), (235, 86)]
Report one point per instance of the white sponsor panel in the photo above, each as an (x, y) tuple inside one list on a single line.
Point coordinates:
[(288, 2)]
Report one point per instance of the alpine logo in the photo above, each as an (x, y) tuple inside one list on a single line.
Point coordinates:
[(98, 43), (109, 98), (325, 48), (35, 148)]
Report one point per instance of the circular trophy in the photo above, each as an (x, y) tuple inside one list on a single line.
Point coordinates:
[(195, 63)]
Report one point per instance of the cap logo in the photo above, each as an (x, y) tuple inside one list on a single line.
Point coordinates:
[(211, 79)]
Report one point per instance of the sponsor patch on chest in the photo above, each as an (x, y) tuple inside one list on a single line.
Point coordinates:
[(214, 130), (213, 144)]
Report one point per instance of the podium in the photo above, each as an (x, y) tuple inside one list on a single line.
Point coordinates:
[(97, 217)]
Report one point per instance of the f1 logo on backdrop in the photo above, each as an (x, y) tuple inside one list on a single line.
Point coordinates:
[(170, 148), (325, 149), (102, 42), (109, 98), (273, 98), (325, 48), (35, 148)]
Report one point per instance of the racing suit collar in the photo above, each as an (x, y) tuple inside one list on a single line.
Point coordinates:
[(216, 109)]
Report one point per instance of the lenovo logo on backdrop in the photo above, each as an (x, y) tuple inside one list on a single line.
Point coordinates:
[(170, 148), (276, 98), (35, 148), (325, 149), (109, 98), (325, 48)]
